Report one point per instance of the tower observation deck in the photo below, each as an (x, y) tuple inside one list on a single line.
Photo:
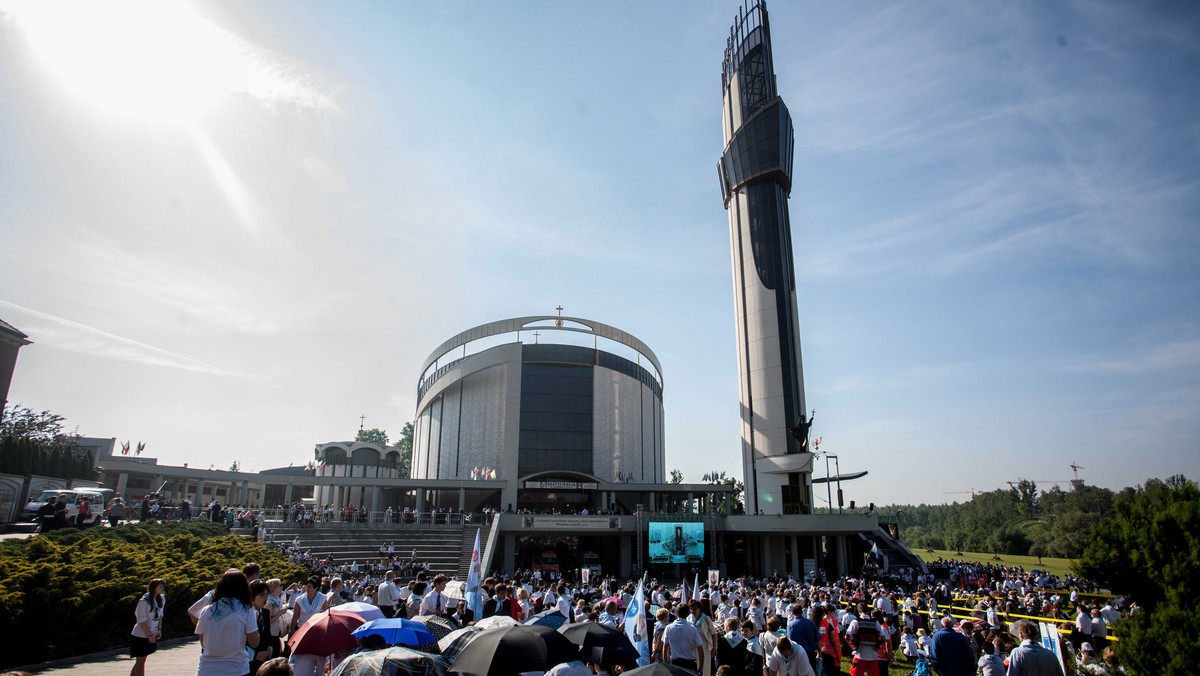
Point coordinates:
[(755, 172)]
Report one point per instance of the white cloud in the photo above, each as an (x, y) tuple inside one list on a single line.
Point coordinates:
[(72, 336)]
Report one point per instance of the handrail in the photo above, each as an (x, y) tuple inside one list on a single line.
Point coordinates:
[(489, 550)]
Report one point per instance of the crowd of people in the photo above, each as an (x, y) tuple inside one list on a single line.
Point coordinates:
[(771, 626)]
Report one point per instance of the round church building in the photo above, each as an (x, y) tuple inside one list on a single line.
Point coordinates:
[(558, 403)]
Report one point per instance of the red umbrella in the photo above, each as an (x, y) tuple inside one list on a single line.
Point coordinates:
[(326, 633)]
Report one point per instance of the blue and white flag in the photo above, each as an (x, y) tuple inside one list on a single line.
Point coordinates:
[(635, 625), (875, 549), (474, 590)]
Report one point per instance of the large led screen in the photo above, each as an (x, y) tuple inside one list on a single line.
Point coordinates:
[(674, 542)]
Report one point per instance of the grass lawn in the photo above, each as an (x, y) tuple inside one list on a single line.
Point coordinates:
[(1059, 567)]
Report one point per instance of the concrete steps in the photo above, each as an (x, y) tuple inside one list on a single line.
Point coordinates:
[(442, 547)]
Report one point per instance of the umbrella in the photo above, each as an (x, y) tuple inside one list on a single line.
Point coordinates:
[(600, 643), (395, 661), (659, 669), (439, 626), (326, 633), (364, 610), (548, 618), (496, 621), (619, 601), (458, 639), (396, 631), (512, 650)]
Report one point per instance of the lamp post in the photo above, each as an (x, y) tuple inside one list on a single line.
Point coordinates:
[(828, 486)]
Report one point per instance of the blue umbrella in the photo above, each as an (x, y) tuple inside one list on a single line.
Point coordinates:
[(548, 618), (396, 631)]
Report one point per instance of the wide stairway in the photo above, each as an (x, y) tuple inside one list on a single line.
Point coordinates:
[(446, 548)]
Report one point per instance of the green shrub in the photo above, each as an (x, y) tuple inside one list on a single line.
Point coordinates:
[(72, 592)]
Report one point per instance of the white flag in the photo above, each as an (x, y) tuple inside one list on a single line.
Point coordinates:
[(635, 625), (696, 589)]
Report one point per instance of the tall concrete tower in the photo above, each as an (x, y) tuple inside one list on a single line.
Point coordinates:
[(756, 179)]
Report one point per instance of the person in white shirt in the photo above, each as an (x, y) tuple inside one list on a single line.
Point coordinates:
[(434, 602), (564, 602), (388, 595), (148, 628), (788, 660), (335, 593), (226, 627)]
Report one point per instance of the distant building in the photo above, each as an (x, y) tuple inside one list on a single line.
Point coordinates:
[(511, 400), (11, 342)]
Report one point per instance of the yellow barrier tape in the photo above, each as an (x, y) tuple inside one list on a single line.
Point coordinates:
[(1006, 615)]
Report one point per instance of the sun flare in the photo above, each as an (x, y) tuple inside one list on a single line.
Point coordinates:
[(151, 59)]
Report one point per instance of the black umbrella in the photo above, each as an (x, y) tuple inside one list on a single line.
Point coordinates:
[(659, 669), (512, 650), (452, 644), (601, 643), (439, 626)]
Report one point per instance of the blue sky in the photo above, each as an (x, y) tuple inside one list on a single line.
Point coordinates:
[(231, 229)]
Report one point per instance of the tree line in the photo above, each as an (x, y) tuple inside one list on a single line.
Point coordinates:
[(35, 443), (1020, 520)]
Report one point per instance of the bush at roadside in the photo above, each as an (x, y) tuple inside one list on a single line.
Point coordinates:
[(73, 592)]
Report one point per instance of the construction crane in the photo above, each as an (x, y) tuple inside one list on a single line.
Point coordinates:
[(1037, 481), (1076, 482)]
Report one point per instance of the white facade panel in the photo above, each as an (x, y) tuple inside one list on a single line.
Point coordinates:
[(435, 437), (451, 407), (482, 428)]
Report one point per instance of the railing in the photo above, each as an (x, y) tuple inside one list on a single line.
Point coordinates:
[(394, 518), (286, 516)]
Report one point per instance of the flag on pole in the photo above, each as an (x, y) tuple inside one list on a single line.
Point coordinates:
[(875, 549), (683, 592), (141, 447), (635, 625), (125, 448), (696, 589), (474, 597)]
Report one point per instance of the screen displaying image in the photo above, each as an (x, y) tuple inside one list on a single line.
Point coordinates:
[(674, 542)]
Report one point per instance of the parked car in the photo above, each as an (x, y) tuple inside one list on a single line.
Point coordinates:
[(96, 499)]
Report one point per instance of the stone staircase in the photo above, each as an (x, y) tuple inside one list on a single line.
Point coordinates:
[(893, 553), (446, 548)]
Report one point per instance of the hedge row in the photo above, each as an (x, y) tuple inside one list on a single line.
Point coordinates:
[(73, 592)]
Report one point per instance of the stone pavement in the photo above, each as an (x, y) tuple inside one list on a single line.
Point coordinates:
[(177, 660)]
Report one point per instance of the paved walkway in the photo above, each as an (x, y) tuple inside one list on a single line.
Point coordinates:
[(178, 660)]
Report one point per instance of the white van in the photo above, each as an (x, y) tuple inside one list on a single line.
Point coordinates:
[(96, 503)]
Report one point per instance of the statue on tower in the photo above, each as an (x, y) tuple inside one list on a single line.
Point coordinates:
[(800, 431)]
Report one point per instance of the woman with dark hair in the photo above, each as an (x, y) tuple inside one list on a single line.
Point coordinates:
[(226, 627), (311, 602), (148, 630), (268, 645)]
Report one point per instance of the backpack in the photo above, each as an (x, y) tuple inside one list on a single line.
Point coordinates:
[(923, 668)]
